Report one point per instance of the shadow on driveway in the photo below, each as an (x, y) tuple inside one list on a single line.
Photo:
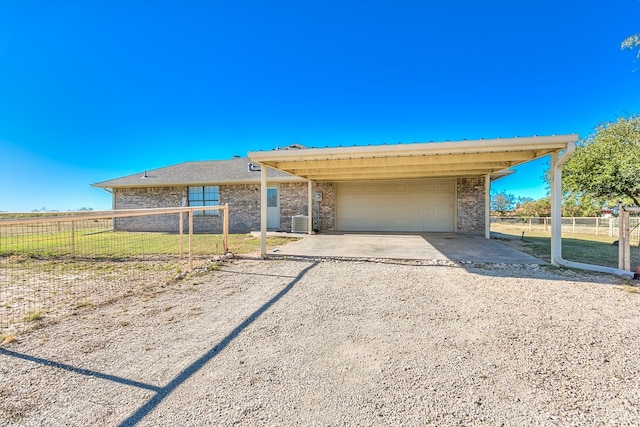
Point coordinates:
[(162, 392)]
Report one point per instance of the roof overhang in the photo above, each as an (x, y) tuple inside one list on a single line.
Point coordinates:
[(145, 183), (413, 161)]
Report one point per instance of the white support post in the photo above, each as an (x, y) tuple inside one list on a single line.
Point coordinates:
[(556, 210), (487, 206), (263, 211), (556, 220), (310, 207)]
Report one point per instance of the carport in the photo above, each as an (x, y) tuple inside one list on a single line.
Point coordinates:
[(353, 166)]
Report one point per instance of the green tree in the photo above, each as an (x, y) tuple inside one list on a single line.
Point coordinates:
[(535, 208), (502, 202), (606, 165), (574, 204), (520, 201)]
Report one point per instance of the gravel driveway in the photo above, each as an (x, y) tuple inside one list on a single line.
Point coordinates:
[(286, 342)]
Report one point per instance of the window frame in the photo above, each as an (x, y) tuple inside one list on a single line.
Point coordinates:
[(207, 195)]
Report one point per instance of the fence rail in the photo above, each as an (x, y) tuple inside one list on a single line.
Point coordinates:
[(597, 226), (53, 264)]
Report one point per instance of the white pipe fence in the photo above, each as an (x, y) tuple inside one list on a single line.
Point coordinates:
[(597, 226)]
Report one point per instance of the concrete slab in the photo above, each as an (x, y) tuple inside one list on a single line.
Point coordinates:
[(426, 246)]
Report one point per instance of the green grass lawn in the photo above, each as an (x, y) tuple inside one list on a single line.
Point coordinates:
[(587, 248), (120, 244)]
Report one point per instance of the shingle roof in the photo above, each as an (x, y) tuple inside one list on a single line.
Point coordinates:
[(232, 171)]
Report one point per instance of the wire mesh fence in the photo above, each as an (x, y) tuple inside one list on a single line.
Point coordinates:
[(53, 265)]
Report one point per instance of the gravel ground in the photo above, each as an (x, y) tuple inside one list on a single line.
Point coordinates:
[(286, 342)]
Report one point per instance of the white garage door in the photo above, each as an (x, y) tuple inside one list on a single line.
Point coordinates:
[(416, 205)]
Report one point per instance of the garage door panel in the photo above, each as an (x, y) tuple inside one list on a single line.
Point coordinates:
[(353, 212), (351, 224), (399, 199), (418, 205), (443, 186)]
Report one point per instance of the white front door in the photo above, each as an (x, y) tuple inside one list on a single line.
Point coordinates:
[(273, 209)]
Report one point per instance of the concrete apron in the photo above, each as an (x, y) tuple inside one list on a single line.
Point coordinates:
[(425, 246)]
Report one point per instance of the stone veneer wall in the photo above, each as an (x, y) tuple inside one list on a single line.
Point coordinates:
[(294, 199), (470, 205)]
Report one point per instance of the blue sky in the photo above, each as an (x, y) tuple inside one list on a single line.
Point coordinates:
[(91, 91)]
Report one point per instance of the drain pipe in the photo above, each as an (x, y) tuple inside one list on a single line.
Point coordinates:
[(556, 219)]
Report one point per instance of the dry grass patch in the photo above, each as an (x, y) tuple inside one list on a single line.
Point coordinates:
[(632, 289), (33, 316)]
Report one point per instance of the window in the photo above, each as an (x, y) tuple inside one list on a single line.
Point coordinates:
[(209, 195), (272, 197)]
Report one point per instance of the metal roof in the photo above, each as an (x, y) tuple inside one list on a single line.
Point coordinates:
[(417, 160)]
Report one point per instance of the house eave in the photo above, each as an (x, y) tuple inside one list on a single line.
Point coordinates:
[(148, 182), (405, 161)]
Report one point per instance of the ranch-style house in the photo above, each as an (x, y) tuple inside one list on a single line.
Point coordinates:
[(417, 187)]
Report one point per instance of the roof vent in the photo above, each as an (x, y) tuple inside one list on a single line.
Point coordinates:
[(295, 146), (253, 167), (145, 175)]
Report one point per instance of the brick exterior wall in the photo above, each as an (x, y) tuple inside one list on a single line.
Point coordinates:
[(244, 208), (161, 197), (147, 198), (327, 206), (470, 205), (294, 199)]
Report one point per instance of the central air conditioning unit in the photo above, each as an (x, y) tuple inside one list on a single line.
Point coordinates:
[(299, 224)]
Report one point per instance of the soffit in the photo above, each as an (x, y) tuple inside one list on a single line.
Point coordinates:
[(417, 160)]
